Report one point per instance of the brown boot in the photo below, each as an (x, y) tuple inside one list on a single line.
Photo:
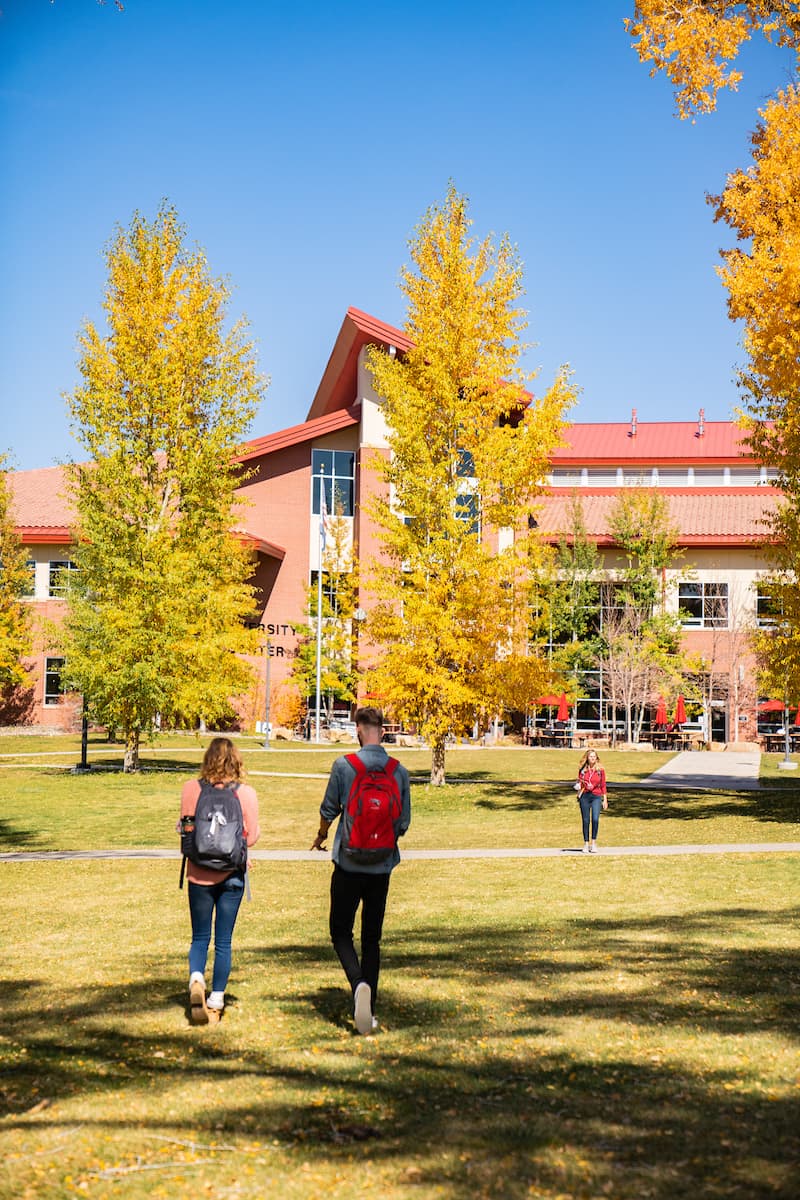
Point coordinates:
[(197, 1002)]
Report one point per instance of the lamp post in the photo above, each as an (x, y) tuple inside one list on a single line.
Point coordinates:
[(268, 656), (786, 764), (323, 513), (359, 616), (84, 764)]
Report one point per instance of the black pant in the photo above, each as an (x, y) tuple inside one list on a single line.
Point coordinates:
[(348, 890)]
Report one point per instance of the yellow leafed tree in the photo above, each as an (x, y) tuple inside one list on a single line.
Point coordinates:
[(696, 43), (469, 450), (157, 609)]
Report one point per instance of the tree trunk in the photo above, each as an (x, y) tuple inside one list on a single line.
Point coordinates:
[(437, 763), (131, 760)]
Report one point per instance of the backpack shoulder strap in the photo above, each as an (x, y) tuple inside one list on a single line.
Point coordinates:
[(391, 765), (356, 763)]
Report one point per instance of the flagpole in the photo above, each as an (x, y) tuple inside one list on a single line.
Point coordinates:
[(322, 515)]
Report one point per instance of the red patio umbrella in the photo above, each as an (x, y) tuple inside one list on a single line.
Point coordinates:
[(768, 706), (796, 720), (547, 701), (563, 708), (661, 712), (680, 711)]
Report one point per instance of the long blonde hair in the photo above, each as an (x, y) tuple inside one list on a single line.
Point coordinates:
[(585, 758), (221, 762)]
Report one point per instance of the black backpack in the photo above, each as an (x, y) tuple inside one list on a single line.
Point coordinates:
[(214, 837)]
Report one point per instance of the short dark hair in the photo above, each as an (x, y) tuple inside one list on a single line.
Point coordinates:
[(368, 715)]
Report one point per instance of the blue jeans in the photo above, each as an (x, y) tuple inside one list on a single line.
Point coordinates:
[(590, 805), (226, 898)]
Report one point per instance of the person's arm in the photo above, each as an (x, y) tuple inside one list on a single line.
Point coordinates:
[(405, 801), (331, 804), (249, 802), (603, 786), (319, 840), (189, 795)]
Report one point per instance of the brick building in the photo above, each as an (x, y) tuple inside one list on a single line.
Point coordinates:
[(718, 497)]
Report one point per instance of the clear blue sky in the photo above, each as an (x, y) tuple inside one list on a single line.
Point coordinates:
[(302, 144)]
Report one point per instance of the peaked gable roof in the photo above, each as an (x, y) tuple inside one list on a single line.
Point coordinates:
[(337, 388), (296, 434)]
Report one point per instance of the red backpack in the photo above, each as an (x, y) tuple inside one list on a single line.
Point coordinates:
[(371, 814)]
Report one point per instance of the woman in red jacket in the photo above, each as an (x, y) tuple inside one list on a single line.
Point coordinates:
[(592, 796)]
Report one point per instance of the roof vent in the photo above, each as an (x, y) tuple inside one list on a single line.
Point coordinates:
[(701, 423), (634, 422)]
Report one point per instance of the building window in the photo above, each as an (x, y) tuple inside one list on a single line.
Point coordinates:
[(329, 591), (59, 577), (30, 585), (606, 478), (768, 609), (465, 464), (468, 510), (336, 467), (703, 605), (52, 680)]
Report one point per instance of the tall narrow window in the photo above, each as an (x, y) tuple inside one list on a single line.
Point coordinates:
[(468, 511), (336, 468), (53, 688), (30, 585), (768, 609)]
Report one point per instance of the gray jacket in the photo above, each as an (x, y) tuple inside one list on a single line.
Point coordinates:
[(337, 792)]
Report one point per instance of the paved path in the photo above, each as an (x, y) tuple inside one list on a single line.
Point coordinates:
[(427, 855), (727, 770)]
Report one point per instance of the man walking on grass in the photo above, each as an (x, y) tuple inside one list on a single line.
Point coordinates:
[(370, 793)]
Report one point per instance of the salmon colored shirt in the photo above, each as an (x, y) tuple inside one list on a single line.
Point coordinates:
[(249, 803)]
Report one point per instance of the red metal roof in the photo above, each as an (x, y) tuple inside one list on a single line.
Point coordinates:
[(343, 418), (654, 442), (271, 549), (338, 386), (703, 516)]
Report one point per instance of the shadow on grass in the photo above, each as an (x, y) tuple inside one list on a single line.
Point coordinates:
[(454, 1103), (649, 804), (13, 838)]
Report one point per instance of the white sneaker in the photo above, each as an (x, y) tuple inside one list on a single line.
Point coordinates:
[(374, 1024), (362, 1008), (586, 848), (216, 1001)]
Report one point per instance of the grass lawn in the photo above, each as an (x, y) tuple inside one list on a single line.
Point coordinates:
[(494, 798), (568, 1028)]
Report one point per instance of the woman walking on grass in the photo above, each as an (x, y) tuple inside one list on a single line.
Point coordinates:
[(591, 788), (215, 896)]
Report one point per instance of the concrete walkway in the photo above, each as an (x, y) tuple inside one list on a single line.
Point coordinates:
[(725, 770), (427, 855)]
